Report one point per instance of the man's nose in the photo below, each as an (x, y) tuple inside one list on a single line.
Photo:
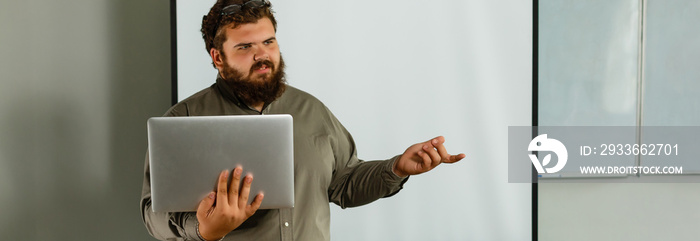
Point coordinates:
[(260, 54)]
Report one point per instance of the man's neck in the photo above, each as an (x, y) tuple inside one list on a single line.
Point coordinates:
[(258, 106)]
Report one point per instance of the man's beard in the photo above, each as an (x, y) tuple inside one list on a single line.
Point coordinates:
[(264, 90)]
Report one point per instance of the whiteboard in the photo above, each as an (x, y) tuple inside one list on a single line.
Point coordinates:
[(398, 73), (588, 67)]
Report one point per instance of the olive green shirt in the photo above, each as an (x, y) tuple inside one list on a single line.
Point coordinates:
[(326, 169)]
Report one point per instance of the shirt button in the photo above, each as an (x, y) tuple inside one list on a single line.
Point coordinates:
[(286, 224)]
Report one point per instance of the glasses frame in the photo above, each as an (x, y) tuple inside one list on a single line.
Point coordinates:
[(236, 8)]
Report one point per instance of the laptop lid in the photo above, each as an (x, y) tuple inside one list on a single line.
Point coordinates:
[(187, 154)]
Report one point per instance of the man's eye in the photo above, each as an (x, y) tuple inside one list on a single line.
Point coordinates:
[(244, 47)]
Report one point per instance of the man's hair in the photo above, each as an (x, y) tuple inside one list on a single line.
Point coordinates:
[(213, 24)]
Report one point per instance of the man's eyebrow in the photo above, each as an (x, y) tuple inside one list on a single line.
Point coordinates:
[(242, 44), (247, 44)]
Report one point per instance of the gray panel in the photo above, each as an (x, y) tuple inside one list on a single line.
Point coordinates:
[(671, 71), (80, 79)]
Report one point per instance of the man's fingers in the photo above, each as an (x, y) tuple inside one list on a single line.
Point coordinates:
[(438, 143), (250, 209), (437, 140), (245, 190), (442, 151), (222, 193), (235, 183), (456, 158), (427, 162), (205, 205), (434, 156)]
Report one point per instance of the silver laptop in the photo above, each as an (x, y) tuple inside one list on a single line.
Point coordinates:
[(187, 154)]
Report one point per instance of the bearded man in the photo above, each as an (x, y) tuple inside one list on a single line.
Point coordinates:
[(240, 38)]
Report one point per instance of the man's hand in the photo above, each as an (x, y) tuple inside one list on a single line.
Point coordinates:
[(423, 157), (216, 219)]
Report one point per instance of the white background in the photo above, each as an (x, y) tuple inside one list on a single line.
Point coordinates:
[(400, 72)]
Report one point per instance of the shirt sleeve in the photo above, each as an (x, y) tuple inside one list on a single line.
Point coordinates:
[(356, 182)]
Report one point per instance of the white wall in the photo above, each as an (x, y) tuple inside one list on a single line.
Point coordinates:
[(78, 81), (401, 72)]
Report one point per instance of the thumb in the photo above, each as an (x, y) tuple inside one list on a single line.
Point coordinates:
[(205, 205)]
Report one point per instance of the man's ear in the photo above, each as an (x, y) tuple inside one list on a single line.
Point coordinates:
[(216, 58)]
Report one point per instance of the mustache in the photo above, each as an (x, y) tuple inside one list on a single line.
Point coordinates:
[(260, 63)]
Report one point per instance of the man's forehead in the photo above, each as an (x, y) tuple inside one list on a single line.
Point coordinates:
[(251, 32)]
